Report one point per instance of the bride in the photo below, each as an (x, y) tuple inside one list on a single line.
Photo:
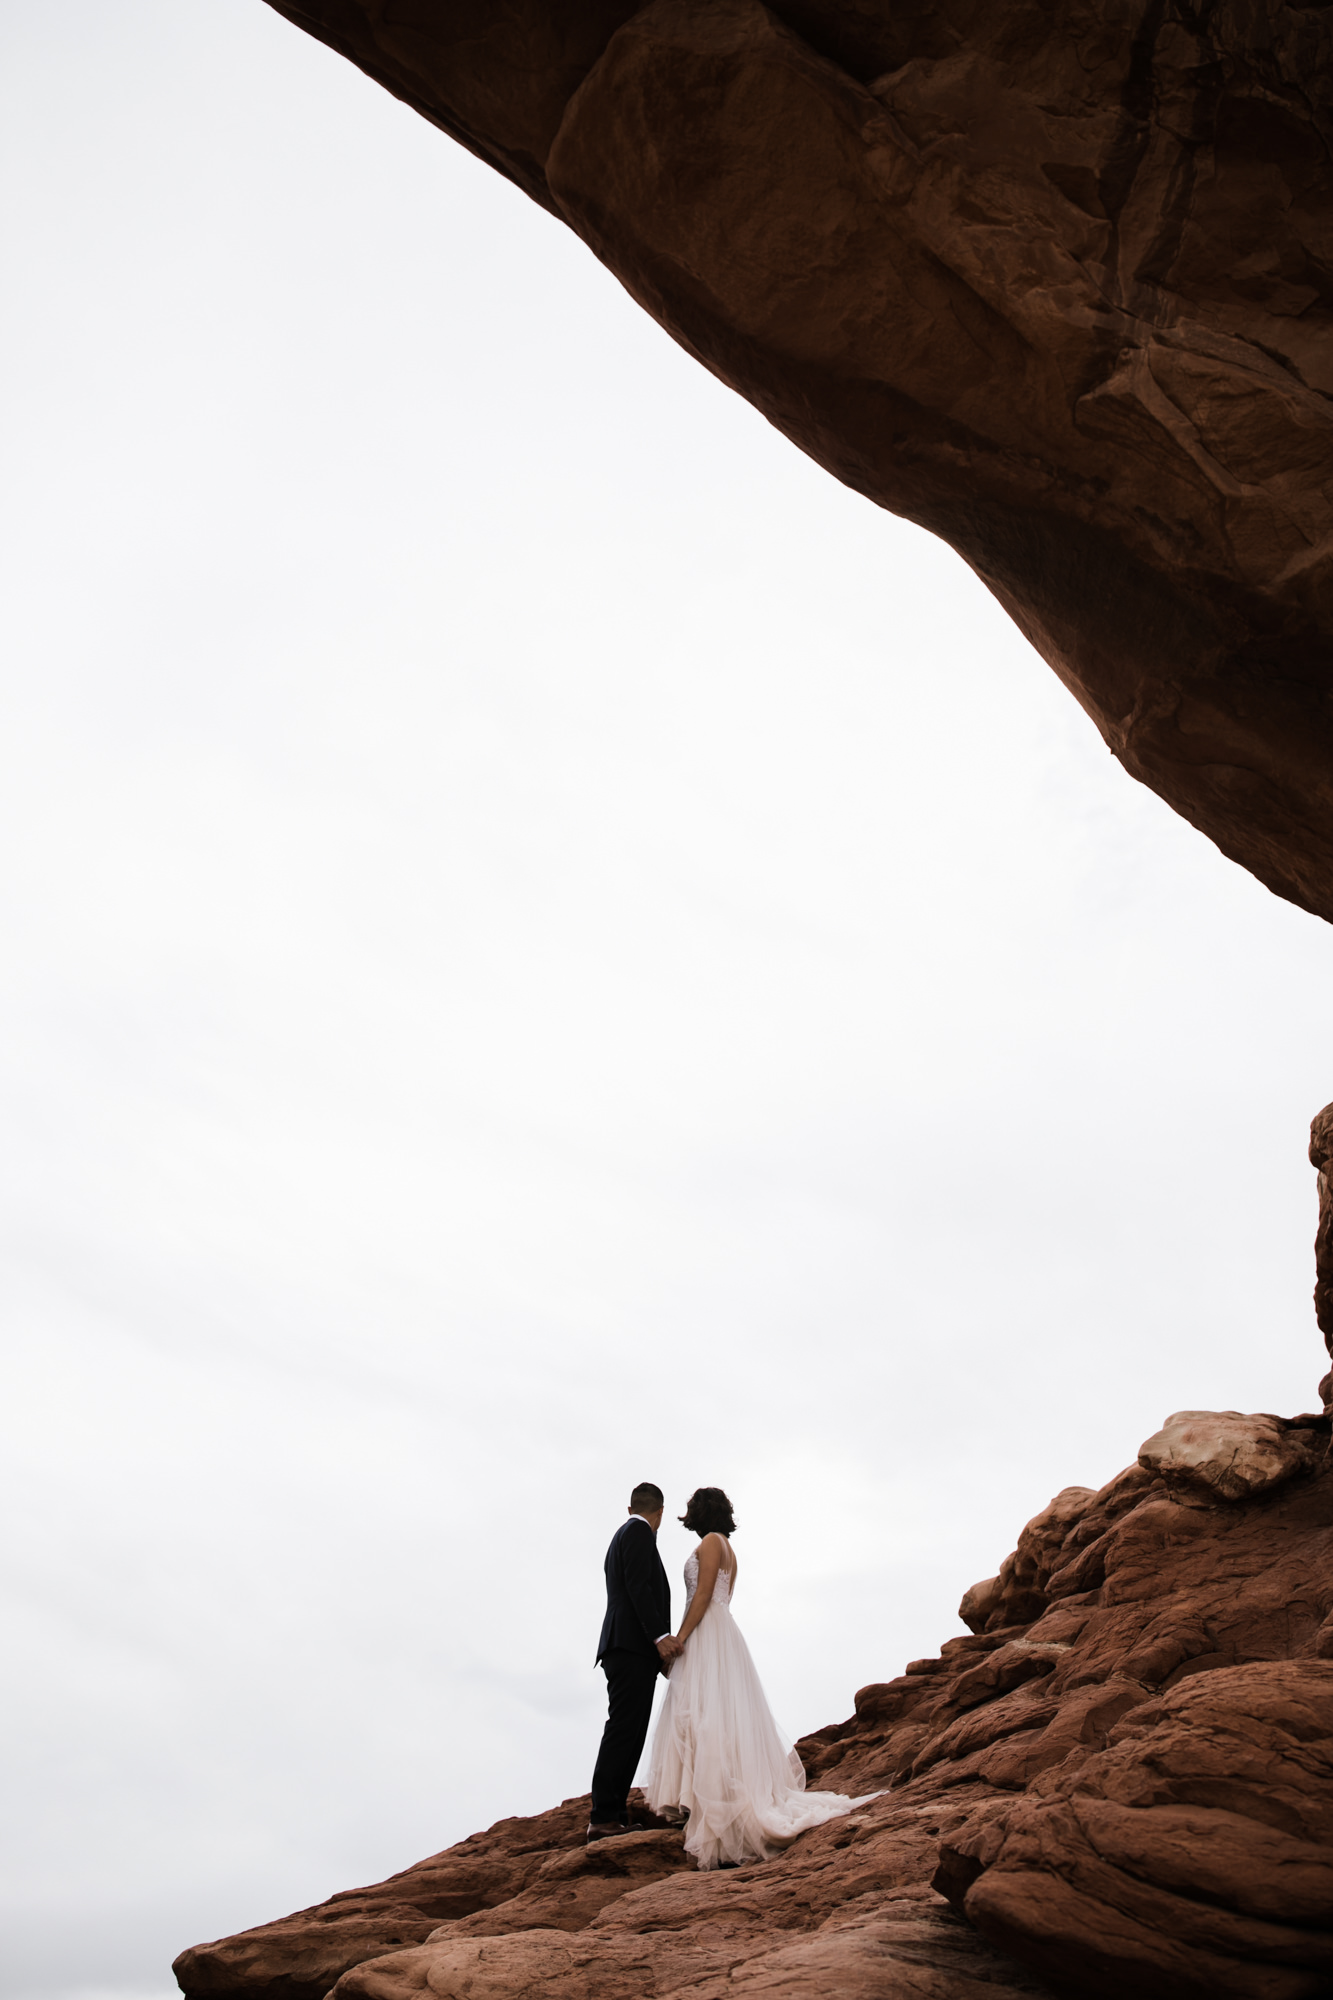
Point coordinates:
[(717, 1751)]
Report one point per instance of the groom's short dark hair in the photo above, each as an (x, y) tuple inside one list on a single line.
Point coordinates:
[(646, 1498)]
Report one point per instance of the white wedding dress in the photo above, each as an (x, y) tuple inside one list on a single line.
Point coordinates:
[(718, 1752)]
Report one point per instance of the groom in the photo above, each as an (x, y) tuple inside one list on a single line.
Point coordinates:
[(635, 1647)]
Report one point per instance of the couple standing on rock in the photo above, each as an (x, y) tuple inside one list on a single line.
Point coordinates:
[(718, 1758)]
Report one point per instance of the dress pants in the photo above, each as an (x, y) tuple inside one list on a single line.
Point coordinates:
[(630, 1681)]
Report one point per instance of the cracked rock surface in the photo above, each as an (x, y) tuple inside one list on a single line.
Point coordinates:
[(1119, 1780), (1054, 281)]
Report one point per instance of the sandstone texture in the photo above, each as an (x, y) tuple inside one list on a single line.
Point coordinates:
[(1054, 281), (1233, 1454), (1321, 1157), (1118, 1781)]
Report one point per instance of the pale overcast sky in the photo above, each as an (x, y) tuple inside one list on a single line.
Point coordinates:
[(544, 944)]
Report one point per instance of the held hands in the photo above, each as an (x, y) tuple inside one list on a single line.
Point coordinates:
[(670, 1649)]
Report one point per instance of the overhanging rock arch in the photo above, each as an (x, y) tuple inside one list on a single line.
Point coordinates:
[(1053, 281)]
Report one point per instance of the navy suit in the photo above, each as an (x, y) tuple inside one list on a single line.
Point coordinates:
[(638, 1613)]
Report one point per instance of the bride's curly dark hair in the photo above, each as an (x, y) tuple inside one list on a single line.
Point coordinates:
[(709, 1512)]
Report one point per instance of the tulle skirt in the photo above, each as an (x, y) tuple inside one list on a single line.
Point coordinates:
[(718, 1753)]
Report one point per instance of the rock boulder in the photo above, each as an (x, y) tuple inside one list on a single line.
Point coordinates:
[(1226, 1453)]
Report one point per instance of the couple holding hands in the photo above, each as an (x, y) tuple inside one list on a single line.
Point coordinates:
[(718, 1756)]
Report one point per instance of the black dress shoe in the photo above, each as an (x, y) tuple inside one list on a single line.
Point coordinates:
[(606, 1829)]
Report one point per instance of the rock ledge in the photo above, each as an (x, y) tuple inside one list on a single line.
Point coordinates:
[(1119, 1780)]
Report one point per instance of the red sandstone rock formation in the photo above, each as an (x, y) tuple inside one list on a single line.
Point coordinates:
[(1055, 281), (1321, 1157), (1121, 1779)]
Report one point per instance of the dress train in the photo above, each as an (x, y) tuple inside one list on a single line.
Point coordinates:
[(718, 1752)]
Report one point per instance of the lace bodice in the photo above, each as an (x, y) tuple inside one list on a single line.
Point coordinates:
[(721, 1589)]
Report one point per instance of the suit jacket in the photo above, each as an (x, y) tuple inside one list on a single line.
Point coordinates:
[(638, 1596)]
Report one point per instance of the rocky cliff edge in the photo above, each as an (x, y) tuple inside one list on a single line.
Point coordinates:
[(1120, 1780)]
